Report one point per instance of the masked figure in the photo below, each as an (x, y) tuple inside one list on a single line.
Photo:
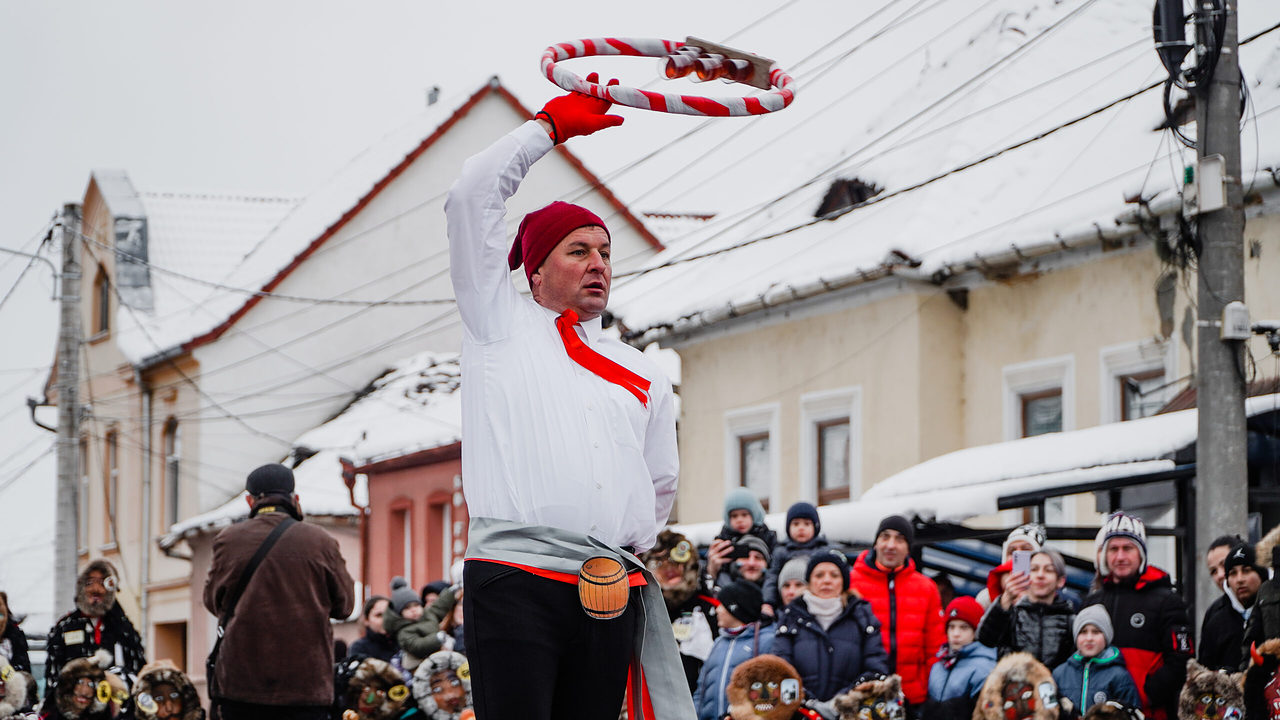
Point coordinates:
[(875, 700), (16, 689), (674, 562), (1262, 681), (766, 687), (1210, 695), (165, 693), (1020, 688), (375, 691), (442, 686), (86, 692)]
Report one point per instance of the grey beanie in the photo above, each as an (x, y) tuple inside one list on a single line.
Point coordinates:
[(1095, 615), (794, 569), (402, 596)]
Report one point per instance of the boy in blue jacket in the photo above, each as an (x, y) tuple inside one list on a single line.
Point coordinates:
[(742, 637), (1096, 672), (963, 665)]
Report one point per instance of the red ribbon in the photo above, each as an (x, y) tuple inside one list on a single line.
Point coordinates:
[(597, 363)]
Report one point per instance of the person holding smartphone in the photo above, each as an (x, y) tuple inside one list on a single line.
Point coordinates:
[(1032, 615)]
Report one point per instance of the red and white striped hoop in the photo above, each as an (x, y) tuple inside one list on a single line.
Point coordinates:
[(776, 99)]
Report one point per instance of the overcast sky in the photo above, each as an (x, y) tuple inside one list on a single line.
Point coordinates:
[(248, 97)]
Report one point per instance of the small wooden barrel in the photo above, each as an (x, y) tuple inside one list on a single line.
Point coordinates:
[(603, 588)]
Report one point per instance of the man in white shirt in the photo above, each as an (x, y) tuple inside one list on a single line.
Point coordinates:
[(569, 445)]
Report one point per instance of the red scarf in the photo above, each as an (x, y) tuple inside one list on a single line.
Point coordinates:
[(597, 363)]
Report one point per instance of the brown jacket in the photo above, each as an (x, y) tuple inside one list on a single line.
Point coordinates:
[(278, 648)]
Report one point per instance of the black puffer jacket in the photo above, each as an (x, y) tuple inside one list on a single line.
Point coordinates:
[(1264, 621), (1044, 630), (1221, 633)]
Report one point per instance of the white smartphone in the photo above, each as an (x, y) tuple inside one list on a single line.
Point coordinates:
[(1022, 562)]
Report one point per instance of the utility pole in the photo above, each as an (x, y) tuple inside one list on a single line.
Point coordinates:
[(1222, 500), (66, 522)]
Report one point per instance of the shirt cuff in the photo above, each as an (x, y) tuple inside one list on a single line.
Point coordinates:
[(532, 136)]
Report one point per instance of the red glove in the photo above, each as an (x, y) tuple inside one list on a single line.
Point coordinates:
[(578, 114)]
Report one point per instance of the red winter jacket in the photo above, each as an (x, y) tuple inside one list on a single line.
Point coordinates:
[(910, 613)]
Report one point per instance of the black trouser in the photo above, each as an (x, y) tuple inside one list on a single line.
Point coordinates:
[(535, 654), (232, 710)]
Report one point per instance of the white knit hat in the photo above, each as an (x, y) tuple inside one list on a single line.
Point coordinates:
[(1121, 524), (1031, 532)]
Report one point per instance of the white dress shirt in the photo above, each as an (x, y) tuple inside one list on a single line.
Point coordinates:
[(546, 441)]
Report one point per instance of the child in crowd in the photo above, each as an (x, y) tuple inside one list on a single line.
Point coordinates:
[(1096, 672), (742, 637), (743, 517), (417, 631), (791, 581), (1031, 614), (963, 665), (165, 693), (803, 539), (1028, 537)]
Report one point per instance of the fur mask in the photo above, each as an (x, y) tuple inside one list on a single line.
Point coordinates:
[(1262, 681), (1112, 710), (15, 687), (1210, 695), (674, 562), (442, 685), (96, 601), (1020, 688), (765, 687), (83, 688), (147, 704), (376, 691), (875, 700)]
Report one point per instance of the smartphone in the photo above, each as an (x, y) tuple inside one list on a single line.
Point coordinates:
[(1022, 562)]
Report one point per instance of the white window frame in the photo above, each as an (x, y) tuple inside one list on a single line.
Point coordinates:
[(819, 407), (1036, 376), (752, 421), (1116, 361)]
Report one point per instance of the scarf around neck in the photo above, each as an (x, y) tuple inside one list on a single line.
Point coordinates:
[(824, 610)]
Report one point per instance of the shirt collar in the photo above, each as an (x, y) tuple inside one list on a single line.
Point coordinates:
[(592, 327)]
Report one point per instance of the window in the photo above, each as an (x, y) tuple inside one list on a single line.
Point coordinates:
[(401, 540), (753, 465), (1041, 412), (82, 512), (833, 460), (1039, 397), (101, 302), (439, 530), (111, 486), (830, 446), (172, 453), (751, 451), (1136, 379)]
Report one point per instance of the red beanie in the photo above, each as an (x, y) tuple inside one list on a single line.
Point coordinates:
[(965, 608), (541, 230)]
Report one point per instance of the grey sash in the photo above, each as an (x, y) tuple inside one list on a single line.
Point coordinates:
[(563, 551)]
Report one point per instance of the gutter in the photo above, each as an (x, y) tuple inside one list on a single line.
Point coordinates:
[(147, 462)]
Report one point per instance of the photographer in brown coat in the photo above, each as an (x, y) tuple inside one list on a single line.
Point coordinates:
[(276, 659)]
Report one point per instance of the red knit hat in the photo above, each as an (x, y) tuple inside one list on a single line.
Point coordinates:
[(541, 230), (965, 608)]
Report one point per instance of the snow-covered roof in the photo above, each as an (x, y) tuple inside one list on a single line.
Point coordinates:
[(968, 483), (200, 236), (941, 88), (417, 405), (320, 490)]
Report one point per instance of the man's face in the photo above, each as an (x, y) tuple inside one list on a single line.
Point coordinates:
[(1045, 581), (959, 634), (447, 690), (1213, 560), (800, 530), (376, 615), (96, 591), (168, 700), (1124, 557), (1244, 582), (752, 566), (740, 521), (891, 548), (576, 275), (84, 692), (1019, 545), (791, 590), (1090, 641)]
